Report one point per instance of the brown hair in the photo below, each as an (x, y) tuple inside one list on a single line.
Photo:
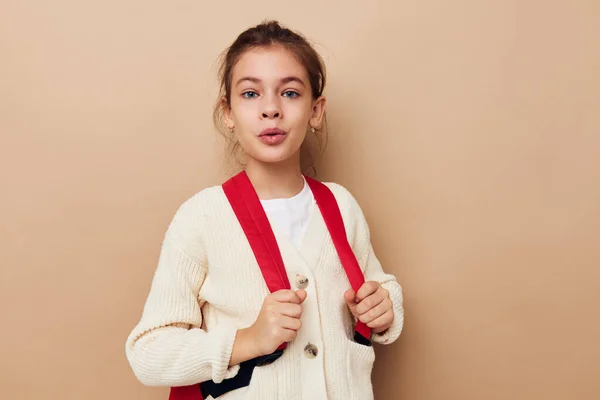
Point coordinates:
[(266, 34)]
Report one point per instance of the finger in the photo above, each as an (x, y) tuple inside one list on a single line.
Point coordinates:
[(289, 335), (301, 295), (367, 289), (350, 297), (290, 323), (375, 312), (290, 310), (286, 296), (370, 302), (382, 323)]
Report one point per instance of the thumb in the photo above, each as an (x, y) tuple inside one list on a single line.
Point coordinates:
[(301, 295), (350, 297)]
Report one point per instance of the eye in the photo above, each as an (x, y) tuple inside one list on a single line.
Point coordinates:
[(291, 94), (249, 94)]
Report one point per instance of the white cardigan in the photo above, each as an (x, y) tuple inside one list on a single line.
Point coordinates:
[(207, 285)]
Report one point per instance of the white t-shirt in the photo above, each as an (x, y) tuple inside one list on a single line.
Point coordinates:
[(291, 215)]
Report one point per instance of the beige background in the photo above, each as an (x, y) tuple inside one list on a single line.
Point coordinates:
[(469, 131)]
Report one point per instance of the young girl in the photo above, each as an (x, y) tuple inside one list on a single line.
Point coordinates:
[(210, 325)]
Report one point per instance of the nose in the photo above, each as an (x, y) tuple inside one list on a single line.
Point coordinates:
[(271, 108)]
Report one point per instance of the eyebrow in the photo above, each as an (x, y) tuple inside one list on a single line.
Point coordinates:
[(284, 80)]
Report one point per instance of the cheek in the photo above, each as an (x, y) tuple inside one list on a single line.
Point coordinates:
[(237, 109), (299, 113)]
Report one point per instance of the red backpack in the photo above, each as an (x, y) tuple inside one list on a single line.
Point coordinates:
[(251, 216)]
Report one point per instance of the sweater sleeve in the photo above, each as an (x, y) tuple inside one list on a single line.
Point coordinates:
[(373, 271), (168, 347)]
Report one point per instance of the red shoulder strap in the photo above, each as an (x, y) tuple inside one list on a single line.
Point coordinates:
[(255, 224), (257, 228), (191, 392), (335, 224)]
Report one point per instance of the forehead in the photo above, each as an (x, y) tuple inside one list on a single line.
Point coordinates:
[(269, 64)]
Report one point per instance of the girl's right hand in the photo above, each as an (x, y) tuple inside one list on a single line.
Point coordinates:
[(278, 320)]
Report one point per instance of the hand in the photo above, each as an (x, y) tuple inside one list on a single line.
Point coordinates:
[(371, 305), (278, 320)]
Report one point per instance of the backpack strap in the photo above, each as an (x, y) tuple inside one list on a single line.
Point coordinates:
[(335, 224), (191, 392), (257, 228), (255, 224)]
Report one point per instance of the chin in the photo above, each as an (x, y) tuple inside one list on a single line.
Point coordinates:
[(273, 159), (273, 155)]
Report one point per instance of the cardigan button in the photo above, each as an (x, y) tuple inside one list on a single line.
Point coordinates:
[(311, 351), (301, 281)]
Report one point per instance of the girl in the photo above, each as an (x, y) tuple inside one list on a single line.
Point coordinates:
[(211, 326)]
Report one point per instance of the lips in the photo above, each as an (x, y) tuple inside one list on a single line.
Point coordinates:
[(272, 136), (272, 132)]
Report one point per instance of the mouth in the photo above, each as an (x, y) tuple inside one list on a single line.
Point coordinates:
[(272, 132), (272, 136)]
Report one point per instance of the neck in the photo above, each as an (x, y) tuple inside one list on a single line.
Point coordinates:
[(275, 180)]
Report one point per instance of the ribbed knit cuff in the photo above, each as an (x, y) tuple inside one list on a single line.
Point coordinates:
[(223, 337)]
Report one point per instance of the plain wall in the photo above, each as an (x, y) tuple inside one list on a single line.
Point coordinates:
[(469, 131)]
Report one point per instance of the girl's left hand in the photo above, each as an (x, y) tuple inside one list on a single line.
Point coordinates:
[(371, 305)]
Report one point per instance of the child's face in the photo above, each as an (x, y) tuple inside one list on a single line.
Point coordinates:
[(270, 89)]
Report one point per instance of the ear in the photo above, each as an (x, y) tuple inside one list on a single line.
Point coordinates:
[(228, 118), (318, 111)]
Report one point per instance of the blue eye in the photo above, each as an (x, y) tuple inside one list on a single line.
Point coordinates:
[(290, 94), (249, 94)]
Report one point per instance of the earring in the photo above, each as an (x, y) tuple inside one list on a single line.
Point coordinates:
[(232, 129), (313, 130)]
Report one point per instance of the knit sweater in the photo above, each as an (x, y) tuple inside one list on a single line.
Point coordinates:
[(207, 285)]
